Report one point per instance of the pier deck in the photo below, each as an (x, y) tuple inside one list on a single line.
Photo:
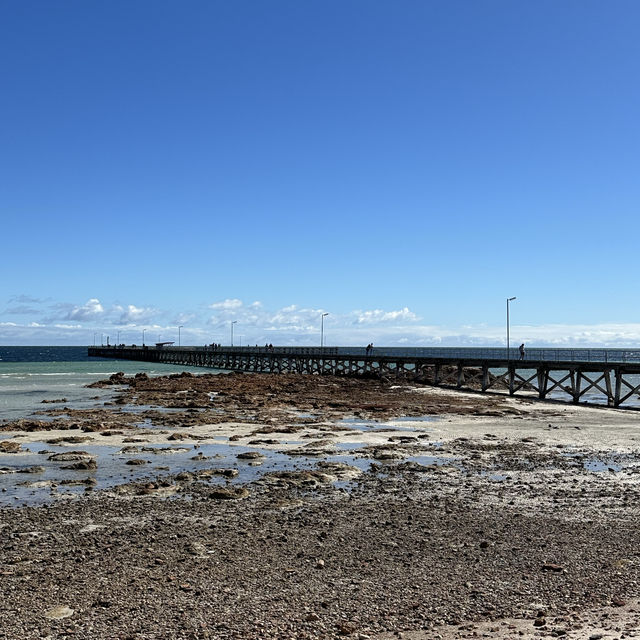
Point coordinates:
[(581, 375)]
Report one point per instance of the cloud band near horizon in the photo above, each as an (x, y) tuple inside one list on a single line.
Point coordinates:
[(46, 322)]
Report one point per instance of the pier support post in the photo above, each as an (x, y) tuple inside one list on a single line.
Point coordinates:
[(607, 381), (616, 398), (485, 377), (543, 380), (576, 380)]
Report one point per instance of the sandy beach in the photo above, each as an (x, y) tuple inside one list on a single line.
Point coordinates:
[(258, 506)]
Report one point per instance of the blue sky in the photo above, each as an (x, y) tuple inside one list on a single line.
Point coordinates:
[(404, 166)]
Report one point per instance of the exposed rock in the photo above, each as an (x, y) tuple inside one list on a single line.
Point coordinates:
[(232, 493), (68, 456), (250, 455), (34, 469), (83, 465), (8, 446)]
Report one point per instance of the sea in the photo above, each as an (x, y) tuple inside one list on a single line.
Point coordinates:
[(30, 377)]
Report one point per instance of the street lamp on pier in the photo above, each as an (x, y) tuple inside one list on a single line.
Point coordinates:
[(180, 327), (322, 329), (143, 337), (234, 322), (508, 351)]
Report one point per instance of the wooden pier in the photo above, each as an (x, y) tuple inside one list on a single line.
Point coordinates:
[(601, 380)]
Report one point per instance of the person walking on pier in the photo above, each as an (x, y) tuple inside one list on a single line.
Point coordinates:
[(522, 351)]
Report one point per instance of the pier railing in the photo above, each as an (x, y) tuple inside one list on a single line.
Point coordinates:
[(612, 356)]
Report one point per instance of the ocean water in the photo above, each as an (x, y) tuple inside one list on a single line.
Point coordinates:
[(29, 375)]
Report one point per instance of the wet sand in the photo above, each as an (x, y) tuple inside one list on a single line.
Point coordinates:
[(305, 507)]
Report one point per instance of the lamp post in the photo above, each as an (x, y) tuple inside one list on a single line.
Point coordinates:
[(94, 338), (143, 337), (508, 351), (118, 340), (234, 322), (180, 327), (322, 329)]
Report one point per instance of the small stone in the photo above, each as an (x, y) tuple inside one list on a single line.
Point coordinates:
[(346, 628), (59, 612), (539, 622), (229, 494)]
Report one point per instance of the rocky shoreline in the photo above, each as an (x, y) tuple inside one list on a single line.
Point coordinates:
[(497, 517)]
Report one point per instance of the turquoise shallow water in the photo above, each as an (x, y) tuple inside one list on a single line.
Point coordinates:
[(29, 375)]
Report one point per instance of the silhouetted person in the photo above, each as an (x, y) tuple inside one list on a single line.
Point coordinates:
[(522, 351)]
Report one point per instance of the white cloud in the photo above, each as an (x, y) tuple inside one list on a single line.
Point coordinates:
[(227, 304), (88, 311), (378, 315), (135, 315)]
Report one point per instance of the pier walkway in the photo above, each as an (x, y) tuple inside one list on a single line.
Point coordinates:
[(609, 376)]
